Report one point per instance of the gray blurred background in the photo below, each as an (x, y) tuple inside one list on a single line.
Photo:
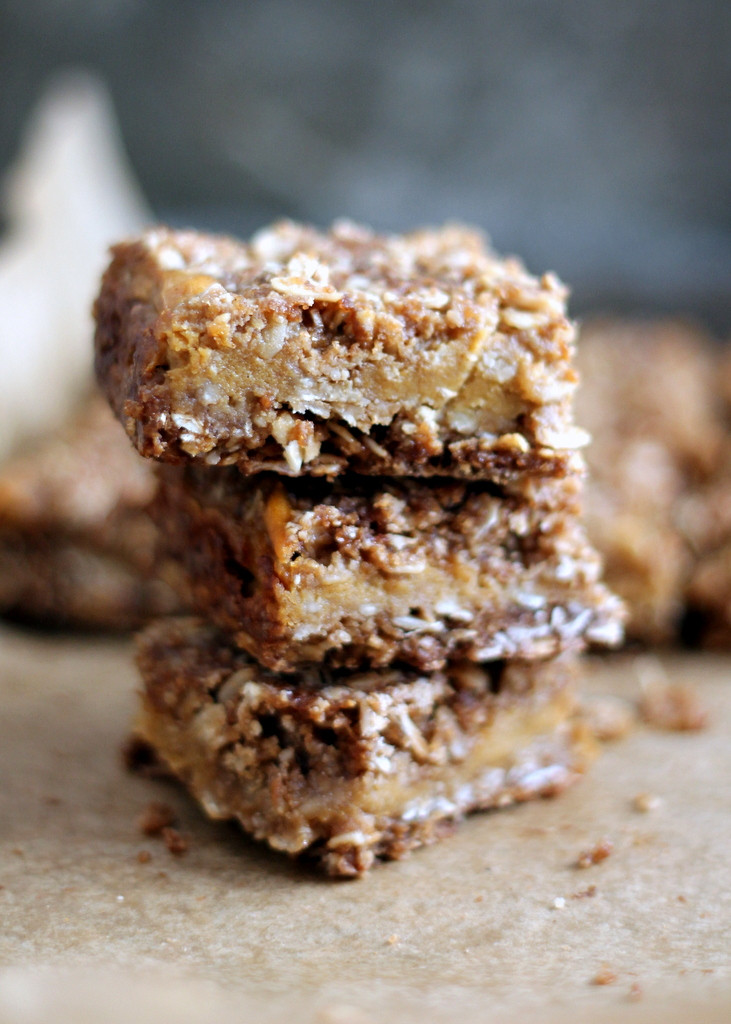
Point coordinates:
[(593, 138)]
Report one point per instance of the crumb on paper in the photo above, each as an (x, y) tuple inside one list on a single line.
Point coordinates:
[(608, 718), (392, 940), (139, 758), (156, 817), (144, 857), (596, 854), (643, 803), (559, 903), (635, 992), (674, 707), (175, 842), (644, 839), (583, 894), (604, 976)]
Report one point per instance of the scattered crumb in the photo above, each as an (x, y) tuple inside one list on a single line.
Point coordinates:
[(681, 898), (646, 802), (479, 898), (144, 856), (52, 801), (392, 939), (644, 839), (635, 992), (604, 976), (608, 718), (140, 758), (583, 894), (175, 841), (559, 903), (156, 817), (599, 852), (675, 707)]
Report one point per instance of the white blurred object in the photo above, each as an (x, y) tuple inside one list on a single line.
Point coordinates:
[(70, 194)]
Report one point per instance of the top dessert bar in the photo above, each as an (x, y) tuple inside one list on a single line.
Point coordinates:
[(304, 352)]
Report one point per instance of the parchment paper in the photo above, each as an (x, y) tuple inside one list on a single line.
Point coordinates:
[(488, 925)]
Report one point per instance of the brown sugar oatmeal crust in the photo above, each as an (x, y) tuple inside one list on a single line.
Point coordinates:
[(366, 571), (318, 352), (349, 767)]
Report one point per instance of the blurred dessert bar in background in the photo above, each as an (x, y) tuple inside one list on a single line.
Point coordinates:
[(655, 397), (77, 546)]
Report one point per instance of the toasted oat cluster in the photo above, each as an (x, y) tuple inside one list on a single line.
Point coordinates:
[(77, 547), (304, 352), (659, 494), (367, 572), (348, 768)]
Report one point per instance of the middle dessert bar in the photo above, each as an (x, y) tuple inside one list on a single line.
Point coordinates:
[(371, 571)]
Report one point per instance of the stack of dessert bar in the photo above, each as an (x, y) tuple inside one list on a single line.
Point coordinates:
[(372, 485)]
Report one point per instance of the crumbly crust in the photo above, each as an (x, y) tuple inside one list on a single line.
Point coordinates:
[(349, 767), (658, 495), (77, 546), (314, 353), (368, 571)]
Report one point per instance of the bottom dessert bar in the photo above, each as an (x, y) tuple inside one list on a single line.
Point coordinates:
[(349, 767)]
